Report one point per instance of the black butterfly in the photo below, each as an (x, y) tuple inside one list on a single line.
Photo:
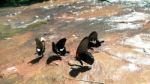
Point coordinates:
[(59, 48), (82, 53), (40, 47), (93, 40)]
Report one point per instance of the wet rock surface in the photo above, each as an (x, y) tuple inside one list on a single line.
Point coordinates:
[(124, 58)]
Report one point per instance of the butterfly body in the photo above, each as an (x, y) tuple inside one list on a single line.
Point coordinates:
[(40, 47)]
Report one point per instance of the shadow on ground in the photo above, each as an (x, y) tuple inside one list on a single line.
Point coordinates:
[(80, 69), (36, 60), (53, 58)]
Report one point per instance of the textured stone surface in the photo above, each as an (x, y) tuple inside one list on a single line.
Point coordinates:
[(124, 58)]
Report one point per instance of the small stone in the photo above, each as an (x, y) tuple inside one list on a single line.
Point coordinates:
[(73, 62), (9, 20), (8, 38), (13, 69), (1, 76), (75, 36), (45, 7), (56, 62), (70, 62), (48, 18), (37, 16), (22, 22), (43, 39)]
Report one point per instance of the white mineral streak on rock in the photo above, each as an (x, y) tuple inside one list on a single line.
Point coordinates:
[(91, 75), (134, 20), (130, 68)]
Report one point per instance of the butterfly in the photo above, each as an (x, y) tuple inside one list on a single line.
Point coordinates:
[(59, 48), (40, 46), (82, 53), (93, 40)]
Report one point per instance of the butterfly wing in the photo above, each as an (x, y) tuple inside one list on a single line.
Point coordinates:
[(54, 48), (83, 46), (87, 57), (82, 52), (61, 43), (93, 36), (38, 43)]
